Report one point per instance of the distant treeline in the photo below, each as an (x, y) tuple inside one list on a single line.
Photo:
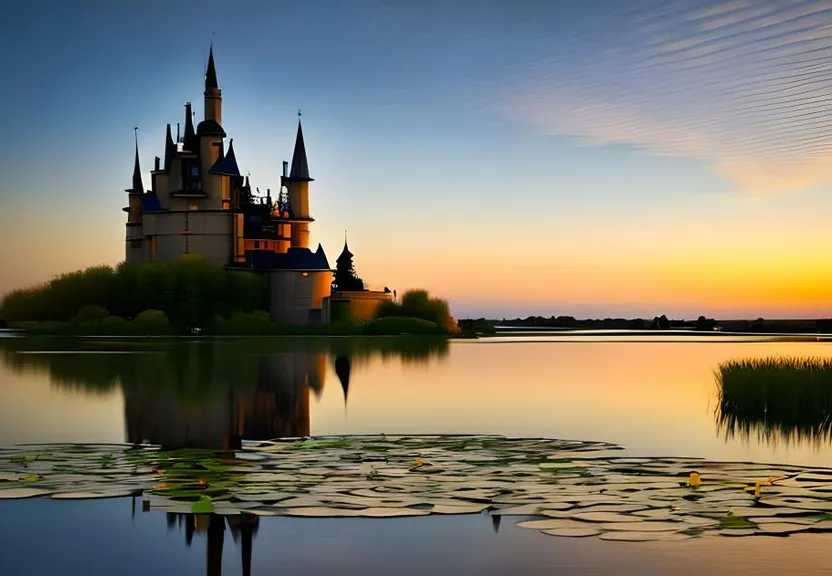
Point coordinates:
[(760, 325), (189, 291)]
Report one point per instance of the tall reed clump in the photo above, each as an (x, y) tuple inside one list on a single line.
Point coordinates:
[(788, 398)]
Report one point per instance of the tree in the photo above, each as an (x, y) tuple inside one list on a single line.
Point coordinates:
[(345, 277)]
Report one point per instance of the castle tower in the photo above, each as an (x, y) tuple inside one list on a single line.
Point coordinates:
[(297, 185), (134, 249), (209, 132)]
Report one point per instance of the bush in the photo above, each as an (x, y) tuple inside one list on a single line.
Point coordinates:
[(396, 325), (419, 304), (151, 323)]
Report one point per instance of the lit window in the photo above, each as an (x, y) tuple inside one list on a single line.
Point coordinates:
[(193, 207), (304, 274)]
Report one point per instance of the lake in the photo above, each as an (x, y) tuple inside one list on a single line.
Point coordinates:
[(656, 397)]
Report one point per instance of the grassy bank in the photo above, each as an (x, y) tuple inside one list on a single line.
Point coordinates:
[(776, 397)]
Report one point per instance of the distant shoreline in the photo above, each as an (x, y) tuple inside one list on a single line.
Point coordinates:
[(659, 324)]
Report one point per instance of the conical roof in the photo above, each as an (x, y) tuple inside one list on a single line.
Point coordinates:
[(300, 166)]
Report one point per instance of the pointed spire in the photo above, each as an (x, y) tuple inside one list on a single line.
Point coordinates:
[(138, 185), (345, 253), (170, 149), (300, 167), (211, 72), (190, 141)]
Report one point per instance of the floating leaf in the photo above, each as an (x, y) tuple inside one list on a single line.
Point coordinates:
[(203, 506)]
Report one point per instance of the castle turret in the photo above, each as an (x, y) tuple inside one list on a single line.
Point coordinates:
[(297, 185), (213, 94)]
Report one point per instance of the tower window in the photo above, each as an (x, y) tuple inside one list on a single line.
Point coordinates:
[(256, 245)]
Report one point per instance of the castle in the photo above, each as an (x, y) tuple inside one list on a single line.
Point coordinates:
[(199, 204)]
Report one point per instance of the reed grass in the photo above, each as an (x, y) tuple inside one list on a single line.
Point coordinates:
[(776, 399)]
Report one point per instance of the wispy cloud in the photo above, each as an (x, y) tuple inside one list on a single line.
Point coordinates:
[(743, 86)]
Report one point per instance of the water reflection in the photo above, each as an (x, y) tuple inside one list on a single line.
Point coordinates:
[(243, 529), (210, 393), (775, 400)]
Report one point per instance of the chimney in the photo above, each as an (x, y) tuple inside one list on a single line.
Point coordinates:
[(156, 166), (285, 168)]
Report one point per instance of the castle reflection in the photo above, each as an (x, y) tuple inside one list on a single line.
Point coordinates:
[(277, 406)]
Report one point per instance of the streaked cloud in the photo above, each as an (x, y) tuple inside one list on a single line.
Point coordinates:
[(744, 86)]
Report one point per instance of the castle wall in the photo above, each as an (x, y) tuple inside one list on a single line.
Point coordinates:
[(208, 234), (360, 305), (298, 297)]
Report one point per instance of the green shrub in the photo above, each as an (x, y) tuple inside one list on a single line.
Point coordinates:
[(419, 304), (395, 325), (151, 323)]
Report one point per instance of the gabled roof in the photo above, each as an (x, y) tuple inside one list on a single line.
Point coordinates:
[(300, 167), (227, 164)]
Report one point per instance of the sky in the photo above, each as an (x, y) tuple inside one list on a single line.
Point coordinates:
[(594, 159)]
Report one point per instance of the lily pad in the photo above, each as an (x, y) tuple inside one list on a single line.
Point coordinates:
[(203, 506)]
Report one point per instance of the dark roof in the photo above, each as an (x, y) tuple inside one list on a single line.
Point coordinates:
[(345, 253), (170, 149), (211, 73), (138, 185), (226, 164), (150, 203), (209, 128), (299, 259), (300, 167)]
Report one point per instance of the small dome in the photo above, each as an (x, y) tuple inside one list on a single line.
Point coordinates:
[(210, 128)]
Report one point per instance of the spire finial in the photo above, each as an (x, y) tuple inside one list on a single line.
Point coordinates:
[(136, 136), (299, 113)]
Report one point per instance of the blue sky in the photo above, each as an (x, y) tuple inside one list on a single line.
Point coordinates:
[(587, 158)]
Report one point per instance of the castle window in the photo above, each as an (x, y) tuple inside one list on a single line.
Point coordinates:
[(256, 245)]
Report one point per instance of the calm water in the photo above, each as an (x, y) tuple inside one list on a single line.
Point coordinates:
[(654, 397)]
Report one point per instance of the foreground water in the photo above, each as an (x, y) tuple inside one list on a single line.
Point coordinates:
[(654, 398)]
